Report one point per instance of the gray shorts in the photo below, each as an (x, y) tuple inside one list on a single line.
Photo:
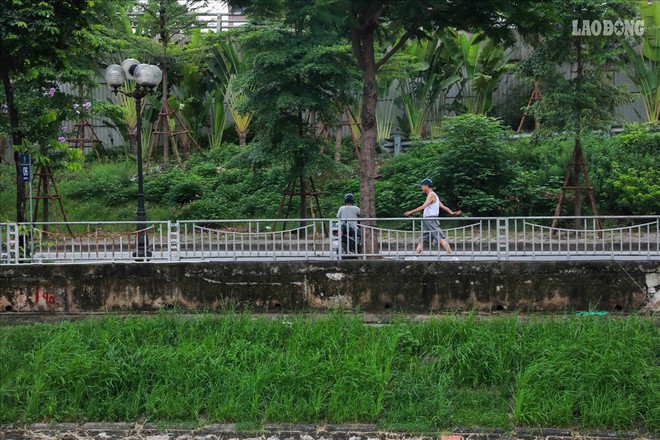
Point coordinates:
[(431, 230)]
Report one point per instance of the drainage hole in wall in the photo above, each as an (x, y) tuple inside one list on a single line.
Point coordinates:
[(277, 305), (168, 306), (618, 308), (8, 308), (388, 305), (499, 307)]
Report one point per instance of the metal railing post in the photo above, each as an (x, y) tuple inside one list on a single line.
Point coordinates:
[(335, 240), (174, 238), (8, 240), (502, 238)]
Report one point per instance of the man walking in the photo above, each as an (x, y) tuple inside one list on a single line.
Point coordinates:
[(431, 224)]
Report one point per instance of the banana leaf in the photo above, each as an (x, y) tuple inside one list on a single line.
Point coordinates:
[(645, 74), (651, 15)]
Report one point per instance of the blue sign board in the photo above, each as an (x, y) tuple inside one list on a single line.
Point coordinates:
[(25, 162)]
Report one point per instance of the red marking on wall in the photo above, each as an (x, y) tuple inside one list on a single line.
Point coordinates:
[(50, 299)]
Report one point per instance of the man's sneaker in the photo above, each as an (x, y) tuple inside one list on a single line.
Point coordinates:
[(411, 258), (454, 258)]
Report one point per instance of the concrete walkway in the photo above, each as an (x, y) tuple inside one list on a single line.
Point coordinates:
[(132, 431)]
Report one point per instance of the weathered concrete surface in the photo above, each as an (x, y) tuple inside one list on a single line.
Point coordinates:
[(116, 431), (371, 286)]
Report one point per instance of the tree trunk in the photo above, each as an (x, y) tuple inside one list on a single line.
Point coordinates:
[(242, 137), (362, 39), (369, 133), (45, 192), (16, 135), (578, 135), (303, 200), (577, 181), (338, 143), (164, 37)]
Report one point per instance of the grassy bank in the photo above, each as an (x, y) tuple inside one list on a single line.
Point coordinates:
[(582, 372)]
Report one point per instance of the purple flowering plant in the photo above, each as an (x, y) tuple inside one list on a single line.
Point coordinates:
[(44, 132), (78, 108)]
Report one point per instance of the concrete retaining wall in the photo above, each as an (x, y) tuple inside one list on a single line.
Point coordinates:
[(371, 286)]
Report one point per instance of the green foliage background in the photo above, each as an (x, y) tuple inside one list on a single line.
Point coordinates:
[(476, 166)]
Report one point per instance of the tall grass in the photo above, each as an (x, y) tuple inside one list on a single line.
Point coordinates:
[(586, 372)]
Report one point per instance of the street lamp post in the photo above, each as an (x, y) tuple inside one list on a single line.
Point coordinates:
[(146, 76)]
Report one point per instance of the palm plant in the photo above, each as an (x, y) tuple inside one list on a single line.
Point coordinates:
[(645, 73), (423, 94), (129, 112), (651, 14), (226, 65), (384, 113), (416, 99), (484, 63), (188, 96), (215, 97), (214, 103), (235, 100), (202, 93), (644, 66)]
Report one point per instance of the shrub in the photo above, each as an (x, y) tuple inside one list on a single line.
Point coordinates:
[(637, 191), (622, 170), (7, 192), (548, 158), (186, 190), (398, 190), (208, 208), (157, 185), (333, 194), (638, 146), (529, 194), (113, 183), (205, 169), (549, 155), (223, 153), (476, 165)]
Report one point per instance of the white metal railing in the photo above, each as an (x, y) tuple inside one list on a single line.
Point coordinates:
[(471, 238)]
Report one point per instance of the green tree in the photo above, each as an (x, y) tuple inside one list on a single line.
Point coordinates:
[(298, 80), (412, 18), (34, 36), (168, 20), (587, 100), (362, 20)]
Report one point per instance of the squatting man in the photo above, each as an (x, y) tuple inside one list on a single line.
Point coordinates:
[(431, 224)]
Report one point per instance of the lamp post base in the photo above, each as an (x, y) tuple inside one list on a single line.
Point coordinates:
[(142, 251)]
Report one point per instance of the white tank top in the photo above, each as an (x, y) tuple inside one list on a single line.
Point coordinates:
[(433, 210)]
